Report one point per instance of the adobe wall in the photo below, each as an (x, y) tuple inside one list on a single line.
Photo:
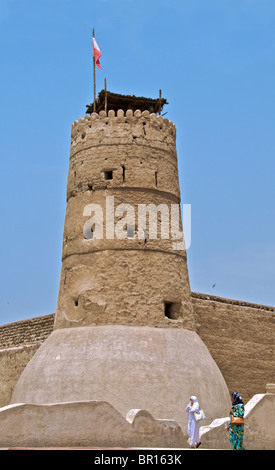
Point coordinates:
[(18, 343), (96, 424), (240, 338)]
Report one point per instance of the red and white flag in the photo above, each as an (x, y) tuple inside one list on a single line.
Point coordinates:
[(97, 53)]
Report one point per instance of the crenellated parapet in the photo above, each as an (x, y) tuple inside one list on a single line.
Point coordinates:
[(123, 150), (123, 128)]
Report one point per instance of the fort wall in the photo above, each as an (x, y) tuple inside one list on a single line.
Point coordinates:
[(240, 337), (18, 343)]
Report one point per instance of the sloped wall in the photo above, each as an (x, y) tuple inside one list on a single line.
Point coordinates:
[(239, 336)]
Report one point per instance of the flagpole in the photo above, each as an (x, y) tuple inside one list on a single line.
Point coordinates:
[(94, 73)]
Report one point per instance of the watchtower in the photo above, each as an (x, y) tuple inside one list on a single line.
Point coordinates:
[(120, 262), (124, 329)]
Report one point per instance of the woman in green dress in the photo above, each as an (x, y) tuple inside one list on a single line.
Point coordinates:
[(236, 430)]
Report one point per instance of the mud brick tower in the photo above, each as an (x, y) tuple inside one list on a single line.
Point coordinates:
[(124, 329), (120, 164)]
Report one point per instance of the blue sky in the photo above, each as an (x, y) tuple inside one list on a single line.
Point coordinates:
[(214, 61)]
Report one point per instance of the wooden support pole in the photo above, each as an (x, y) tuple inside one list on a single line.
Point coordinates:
[(159, 102), (105, 101)]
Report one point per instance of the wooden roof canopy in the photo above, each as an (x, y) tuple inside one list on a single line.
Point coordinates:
[(106, 101)]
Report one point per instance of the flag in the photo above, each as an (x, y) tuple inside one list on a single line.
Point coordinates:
[(97, 53)]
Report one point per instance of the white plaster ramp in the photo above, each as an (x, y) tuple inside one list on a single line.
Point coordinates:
[(88, 423), (259, 431)]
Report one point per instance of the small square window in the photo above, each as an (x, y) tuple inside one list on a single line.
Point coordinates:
[(172, 310), (108, 175)]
